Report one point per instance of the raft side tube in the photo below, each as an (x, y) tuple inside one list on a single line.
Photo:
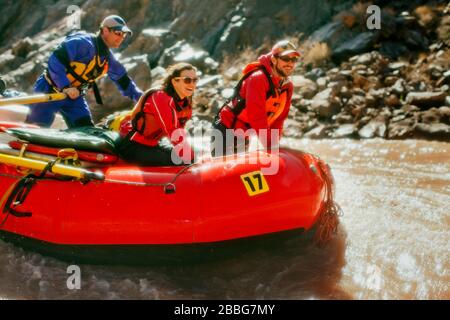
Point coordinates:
[(292, 200)]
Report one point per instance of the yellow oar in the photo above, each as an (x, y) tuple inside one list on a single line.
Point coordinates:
[(38, 98), (78, 173)]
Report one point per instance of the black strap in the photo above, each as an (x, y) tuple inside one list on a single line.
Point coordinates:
[(124, 82), (21, 191), (95, 40), (141, 114), (240, 101), (98, 97), (18, 196), (135, 120), (269, 93), (63, 57)]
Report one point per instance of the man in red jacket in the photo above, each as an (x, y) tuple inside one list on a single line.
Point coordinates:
[(260, 103)]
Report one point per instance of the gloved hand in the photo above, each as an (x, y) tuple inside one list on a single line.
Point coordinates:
[(72, 92)]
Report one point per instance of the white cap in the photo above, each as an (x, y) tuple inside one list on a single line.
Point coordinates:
[(116, 23)]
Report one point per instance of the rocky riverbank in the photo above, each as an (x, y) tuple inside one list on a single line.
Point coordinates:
[(391, 82)]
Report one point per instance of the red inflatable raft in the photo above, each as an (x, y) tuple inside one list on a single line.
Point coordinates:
[(164, 209)]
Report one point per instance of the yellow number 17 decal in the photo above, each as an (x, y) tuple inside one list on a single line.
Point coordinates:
[(254, 183)]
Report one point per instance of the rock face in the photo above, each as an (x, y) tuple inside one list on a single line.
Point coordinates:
[(197, 31), (348, 34), (378, 98), (359, 44), (217, 27), (391, 83), (183, 51)]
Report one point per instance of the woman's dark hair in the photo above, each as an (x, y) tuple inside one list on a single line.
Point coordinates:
[(172, 72)]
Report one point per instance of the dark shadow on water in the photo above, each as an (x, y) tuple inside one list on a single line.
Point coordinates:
[(293, 268), (296, 269)]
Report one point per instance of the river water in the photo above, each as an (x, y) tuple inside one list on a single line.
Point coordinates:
[(393, 242)]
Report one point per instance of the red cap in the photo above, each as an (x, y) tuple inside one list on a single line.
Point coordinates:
[(283, 48)]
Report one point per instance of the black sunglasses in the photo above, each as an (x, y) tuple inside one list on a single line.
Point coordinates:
[(118, 33), (188, 80), (287, 59)]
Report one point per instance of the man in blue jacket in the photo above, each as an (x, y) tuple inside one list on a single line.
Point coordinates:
[(73, 68)]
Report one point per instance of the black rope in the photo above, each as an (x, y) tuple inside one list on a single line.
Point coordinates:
[(20, 192), (23, 187), (169, 187)]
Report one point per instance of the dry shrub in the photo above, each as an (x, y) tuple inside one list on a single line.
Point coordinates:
[(360, 11), (425, 15), (360, 81), (317, 53), (360, 8), (444, 30), (347, 18), (237, 62), (354, 17), (349, 21)]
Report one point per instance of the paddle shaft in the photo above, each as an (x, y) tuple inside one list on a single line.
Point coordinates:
[(78, 173), (38, 98)]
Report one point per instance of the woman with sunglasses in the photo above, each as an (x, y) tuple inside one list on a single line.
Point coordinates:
[(261, 102), (161, 112)]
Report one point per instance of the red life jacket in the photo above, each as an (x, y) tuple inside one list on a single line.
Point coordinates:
[(146, 124), (275, 98)]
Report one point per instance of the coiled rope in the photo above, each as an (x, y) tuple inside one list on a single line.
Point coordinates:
[(329, 212)]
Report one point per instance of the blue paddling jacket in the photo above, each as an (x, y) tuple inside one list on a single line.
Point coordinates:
[(82, 59)]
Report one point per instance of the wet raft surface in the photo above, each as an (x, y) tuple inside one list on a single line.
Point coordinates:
[(393, 242)]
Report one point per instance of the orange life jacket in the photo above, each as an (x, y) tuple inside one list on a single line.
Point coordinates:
[(274, 107), (80, 73), (275, 97)]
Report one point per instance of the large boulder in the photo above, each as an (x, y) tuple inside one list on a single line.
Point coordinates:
[(23, 47), (27, 18), (401, 129), (151, 41), (335, 34), (9, 62), (318, 132), (345, 131), (306, 87), (426, 99), (375, 128), (182, 51), (363, 42), (326, 104), (438, 131)]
